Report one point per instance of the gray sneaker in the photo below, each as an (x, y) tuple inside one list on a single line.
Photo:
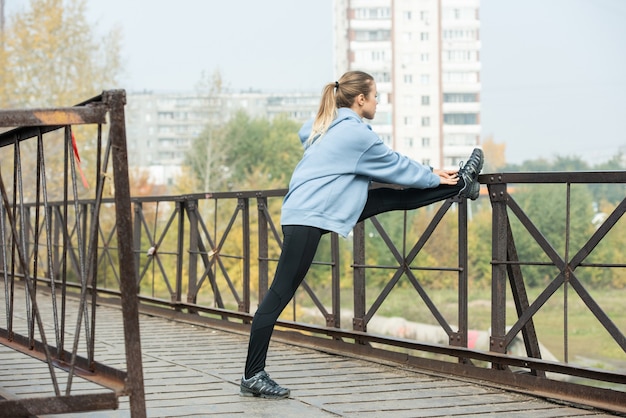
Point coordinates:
[(261, 386), (469, 173), (471, 190), (473, 165)]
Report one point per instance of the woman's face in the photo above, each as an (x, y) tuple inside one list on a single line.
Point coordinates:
[(369, 109), (365, 106)]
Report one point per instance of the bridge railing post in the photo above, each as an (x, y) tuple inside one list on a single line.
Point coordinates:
[(263, 248), (497, 195), (129, 286), (244, 206), (358, 321)]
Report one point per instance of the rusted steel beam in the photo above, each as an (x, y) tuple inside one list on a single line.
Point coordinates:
[(57, 405), (194, 242), (54, 117), (38, 122), (335, 318), (460, 338), (358, 272), (555, 177), (28, 123), (263, 253), (243, 204), (520, 297), (129, 287), (498, 196), (93, 371)]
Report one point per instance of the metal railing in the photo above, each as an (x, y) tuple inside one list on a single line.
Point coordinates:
[(209, 258), (59, 244)]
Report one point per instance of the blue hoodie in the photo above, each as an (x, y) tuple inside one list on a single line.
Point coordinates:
[(329, 186)]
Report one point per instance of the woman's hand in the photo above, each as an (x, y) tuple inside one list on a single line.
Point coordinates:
[(450, 177)]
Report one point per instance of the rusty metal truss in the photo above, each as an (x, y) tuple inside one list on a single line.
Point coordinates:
[(33, 169)]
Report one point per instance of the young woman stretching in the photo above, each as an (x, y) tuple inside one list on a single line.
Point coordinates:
[(329, 191)]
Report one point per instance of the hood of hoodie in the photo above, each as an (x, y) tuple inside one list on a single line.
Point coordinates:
[(343, 113)]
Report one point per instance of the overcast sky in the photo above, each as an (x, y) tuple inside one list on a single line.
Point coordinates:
[(553, 71)]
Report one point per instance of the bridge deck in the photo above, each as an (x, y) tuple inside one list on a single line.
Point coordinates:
[(194, 371)]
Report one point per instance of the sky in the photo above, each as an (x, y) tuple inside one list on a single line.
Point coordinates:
[(553, 71)]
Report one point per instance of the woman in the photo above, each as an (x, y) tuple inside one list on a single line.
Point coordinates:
[(329, 191)]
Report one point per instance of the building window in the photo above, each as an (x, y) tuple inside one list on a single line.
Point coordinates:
[(460, 97), (459, 139), (425, 142), (406, 15), (408, 121), (408, 142), (460, 56), (379, 56), (424, 36), (372, 13), (425, 100), (425, 121), (165, 115), (384, 77), (371, 56), (372, 35), (459, 14), (460, 77), (460, 34), (408, 79), (424, 79), (425, 57), (460, 119)]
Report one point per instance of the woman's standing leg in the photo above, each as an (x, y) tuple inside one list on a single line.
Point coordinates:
[(299, 247)]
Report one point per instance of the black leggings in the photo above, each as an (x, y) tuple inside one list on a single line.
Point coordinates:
[(299, 247)]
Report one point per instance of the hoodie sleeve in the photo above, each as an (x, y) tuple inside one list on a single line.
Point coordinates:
[(384, 165)]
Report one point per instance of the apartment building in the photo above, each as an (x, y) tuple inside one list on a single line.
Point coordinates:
[(425, 57), (161, 126)]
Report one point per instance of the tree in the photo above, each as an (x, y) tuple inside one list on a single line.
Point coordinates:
[(495, 157), (51, 57), (247, 153), (545, 205), (611, 193), (201, 157)]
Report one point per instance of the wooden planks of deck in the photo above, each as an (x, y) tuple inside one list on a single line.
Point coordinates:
[(194, 371)]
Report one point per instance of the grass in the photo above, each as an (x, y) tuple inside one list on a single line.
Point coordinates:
[(579, 335)]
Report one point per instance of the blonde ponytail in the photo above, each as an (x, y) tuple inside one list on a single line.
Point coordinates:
[(341, 93)]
